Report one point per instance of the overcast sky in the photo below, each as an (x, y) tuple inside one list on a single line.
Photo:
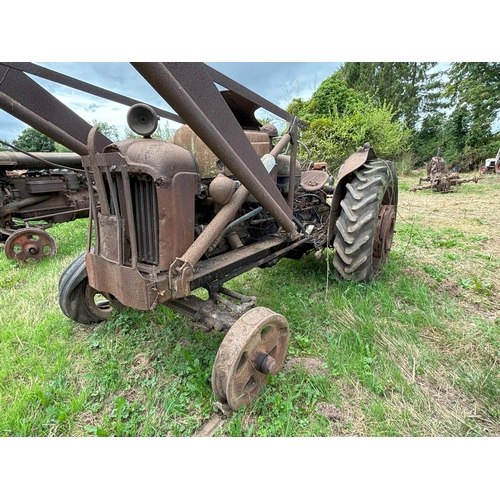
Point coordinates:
[(278, 82)]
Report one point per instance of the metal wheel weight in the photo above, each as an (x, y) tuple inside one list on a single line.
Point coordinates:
[(30, 245), (254, 347)]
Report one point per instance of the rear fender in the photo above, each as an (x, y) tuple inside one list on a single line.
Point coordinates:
[(355, 161)]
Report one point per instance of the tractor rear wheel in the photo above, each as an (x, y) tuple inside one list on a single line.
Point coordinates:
[(365, 227), (78, 300)]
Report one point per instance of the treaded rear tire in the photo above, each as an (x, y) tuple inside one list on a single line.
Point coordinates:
[(361, 245), (76, 296)]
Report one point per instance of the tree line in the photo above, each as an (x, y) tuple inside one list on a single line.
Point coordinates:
[(406, 110)]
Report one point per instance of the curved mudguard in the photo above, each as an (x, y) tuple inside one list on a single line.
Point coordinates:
[(355, 161)]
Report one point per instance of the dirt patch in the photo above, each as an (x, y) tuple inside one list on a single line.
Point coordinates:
[(334, 415), (141, 366), (89, 418), (313, 366)]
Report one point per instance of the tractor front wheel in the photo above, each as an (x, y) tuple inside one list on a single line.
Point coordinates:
[(365, 227), (78, 300)]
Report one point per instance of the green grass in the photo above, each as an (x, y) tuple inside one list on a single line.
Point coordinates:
[(41, 358), (413, 354)]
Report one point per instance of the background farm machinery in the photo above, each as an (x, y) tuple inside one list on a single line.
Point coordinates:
[(37, 190), (226, 195), (440, 178)]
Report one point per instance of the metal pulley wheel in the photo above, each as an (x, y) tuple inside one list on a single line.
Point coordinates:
[(254, 347), (30, 245)]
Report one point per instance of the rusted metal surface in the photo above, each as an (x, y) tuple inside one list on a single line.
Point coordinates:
[(230, 264), (224, 216), (383, 235), (10, 160), (445, 182), (312, 180), (210, 427), (29, 102), (252, 96), (210, 164), (222, 189), (215, 313), (30, 244), (356, 160), (436, 165), (292, 131), (154, 185), (54, 76), (44, 187), (440, 178), (254, 347), (283, 172), (189, 90), (181, 271)]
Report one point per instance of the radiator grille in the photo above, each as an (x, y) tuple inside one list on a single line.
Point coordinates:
[(146, 223)]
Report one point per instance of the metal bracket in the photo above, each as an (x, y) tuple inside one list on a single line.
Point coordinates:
[(180, 274)]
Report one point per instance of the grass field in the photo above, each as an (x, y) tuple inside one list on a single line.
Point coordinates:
[(415, 353)]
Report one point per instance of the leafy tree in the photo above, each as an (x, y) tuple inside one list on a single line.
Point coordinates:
[(341, 120), (109, 131), (33, 141), (62, 149), (163, 132), (446, 133), (331, 100), (473, 90), (429, 137), (4, 147), (412, 88), (476, 87)]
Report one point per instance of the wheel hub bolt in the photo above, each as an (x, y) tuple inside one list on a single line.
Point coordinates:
[(265, 363), (32, 250)]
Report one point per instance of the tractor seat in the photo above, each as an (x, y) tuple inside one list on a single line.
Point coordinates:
[(313, 180)]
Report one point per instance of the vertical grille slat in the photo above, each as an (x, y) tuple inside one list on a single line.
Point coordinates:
[(146, 220)]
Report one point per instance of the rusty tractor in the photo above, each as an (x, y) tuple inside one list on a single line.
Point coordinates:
[(440, 178), (226, 195), (36, 191)]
